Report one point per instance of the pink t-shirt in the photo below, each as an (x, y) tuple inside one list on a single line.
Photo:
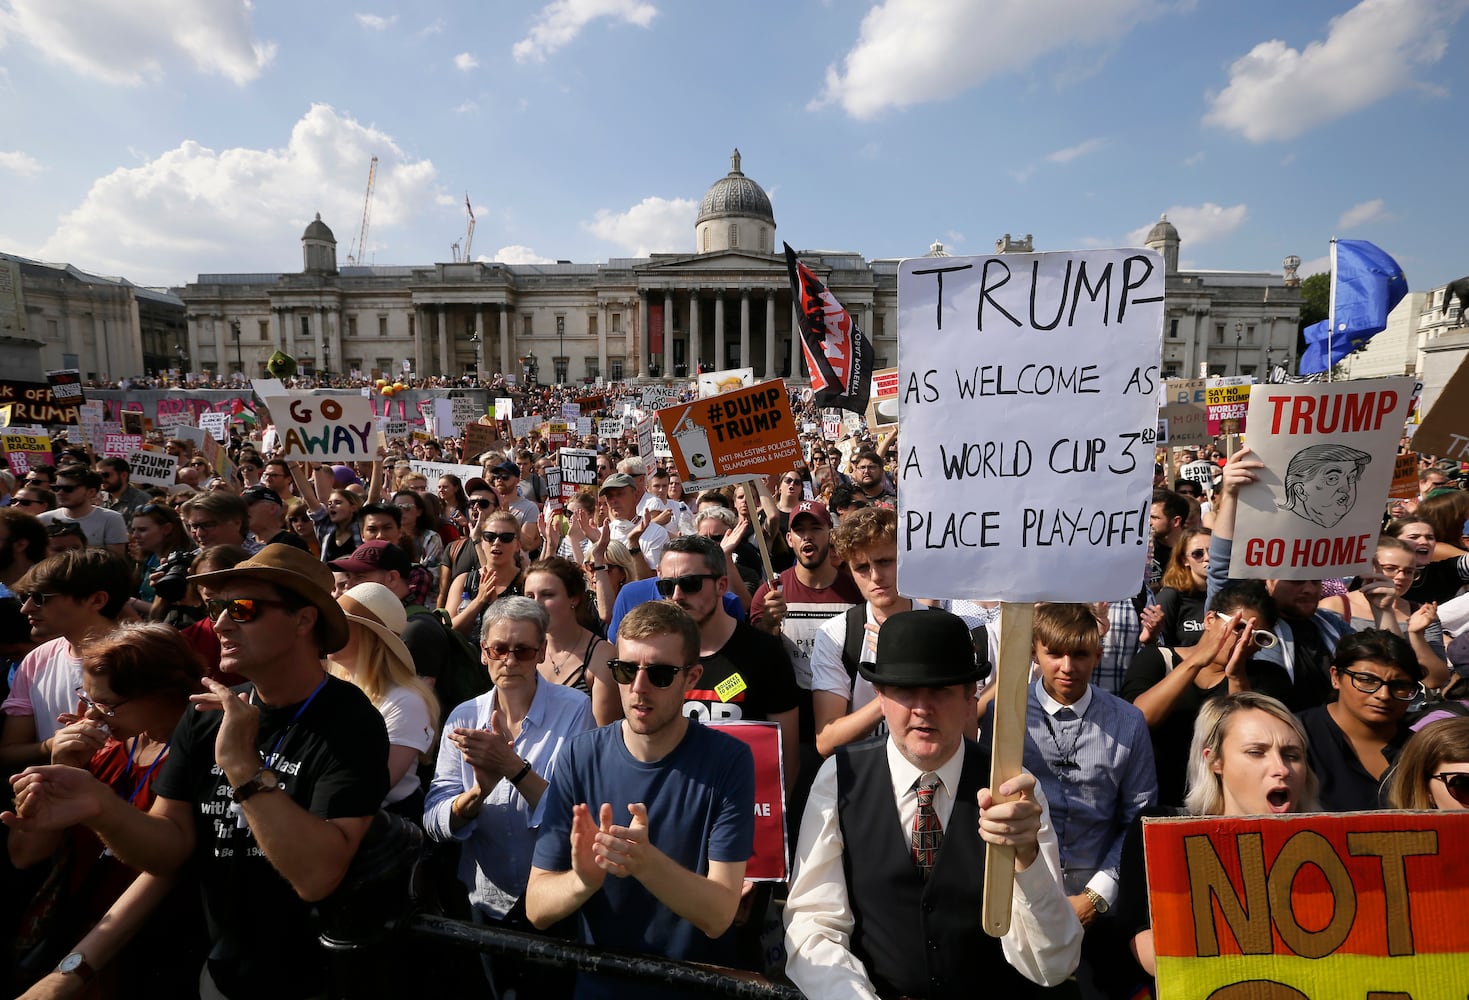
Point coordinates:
[(45, 685)]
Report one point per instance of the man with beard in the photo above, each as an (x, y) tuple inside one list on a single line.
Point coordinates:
[(665, 807), (811, 592), (869, 477)]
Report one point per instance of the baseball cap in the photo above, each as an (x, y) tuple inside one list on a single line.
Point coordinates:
[(615, 481), (812, 508), (476, 484), (253, 493), (371, 556), (506, 469)]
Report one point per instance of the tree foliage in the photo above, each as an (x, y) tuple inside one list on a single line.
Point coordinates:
[(1315, 299)]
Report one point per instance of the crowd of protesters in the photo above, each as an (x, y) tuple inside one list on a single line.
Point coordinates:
[(222, 695)]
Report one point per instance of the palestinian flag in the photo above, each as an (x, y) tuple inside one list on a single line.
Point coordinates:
[(239, 411), (838, 356)]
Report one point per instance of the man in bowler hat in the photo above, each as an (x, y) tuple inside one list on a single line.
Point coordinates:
[(887, 895)]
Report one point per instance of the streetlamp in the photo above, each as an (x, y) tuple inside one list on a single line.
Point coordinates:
[(561, 348), (239, 360), (1238, 333), (183, 357)]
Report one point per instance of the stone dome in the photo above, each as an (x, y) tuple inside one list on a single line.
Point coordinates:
[(735, 194), (317, 230), (1162, 232)]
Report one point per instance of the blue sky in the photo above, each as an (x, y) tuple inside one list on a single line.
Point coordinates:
[(160, 139)]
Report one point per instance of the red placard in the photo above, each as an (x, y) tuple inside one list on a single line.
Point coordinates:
[(768, 863)]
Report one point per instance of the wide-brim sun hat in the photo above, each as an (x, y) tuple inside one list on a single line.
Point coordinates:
[(294, 570), (377, 609)]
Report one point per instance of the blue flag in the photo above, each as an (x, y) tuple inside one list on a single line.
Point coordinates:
[(1366, 284)]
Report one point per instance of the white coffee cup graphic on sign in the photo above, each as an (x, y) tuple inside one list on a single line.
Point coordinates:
[(693, 444)]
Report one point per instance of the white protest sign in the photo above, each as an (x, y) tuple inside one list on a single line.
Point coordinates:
[(433, 470), (463, 410), (1329, 451), (713, 383), (609, 427), (583, 426), (263, 387), (658, 396), (521, 426), (324, 428), (570, 411), (153, 468), (194, 434), (651, 438), (504, 407), (396, 429), (578, 468), (1029, 405), (444, 422), (217, 424)]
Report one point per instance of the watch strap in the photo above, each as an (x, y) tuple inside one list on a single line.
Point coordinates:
[(258, 783)]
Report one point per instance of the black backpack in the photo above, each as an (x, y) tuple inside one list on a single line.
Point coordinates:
[(857, 634), (461, 676)]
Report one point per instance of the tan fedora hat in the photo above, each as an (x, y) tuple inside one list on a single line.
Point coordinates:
[(294, 570), (378, 609)]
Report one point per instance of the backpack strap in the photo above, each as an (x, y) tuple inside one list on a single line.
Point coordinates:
[(856, 638)]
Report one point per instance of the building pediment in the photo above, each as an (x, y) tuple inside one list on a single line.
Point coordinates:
[(724, 261)]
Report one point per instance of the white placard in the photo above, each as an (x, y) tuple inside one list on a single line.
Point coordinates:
[(396, 429), (713, 383), (1028, 386), (570, 411), (433, 470), (609, 427), (1317, 506), (217, 424), (463, 410), (655, 397), (153, 468), (504, 407), (583, 426), (324, 428), (521, 426), (651, 439)]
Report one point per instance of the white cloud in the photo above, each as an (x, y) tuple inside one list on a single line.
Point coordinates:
[(376, 21), (1198, 223), (129, 42), (434, 27), (1287, 159), (653, 225), (21, 164), (1363, 213), (466, 108), (1317, 265), (517, 254), (193, 209), (1023, 174), (465, 62), (560, 22), (1075, 152), (1195, 160), (912, 51), (1370, 53)]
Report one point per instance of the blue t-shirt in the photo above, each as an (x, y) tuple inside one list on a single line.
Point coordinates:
[(637, 592), (701, 808)]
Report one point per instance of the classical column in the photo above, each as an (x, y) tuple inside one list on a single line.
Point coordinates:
[(668, 333), (796, 352), (334, 337), (644, 334), (719, 330), (602, 339), (744, 327), (418, 337), (502, 322), (770, 333), (446, 362), (479, 346), (218, 326), (277, 329), (696, 346), (316, 321)]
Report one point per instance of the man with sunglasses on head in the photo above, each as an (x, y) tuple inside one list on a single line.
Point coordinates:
[(268, 788), (76, 491), (505, 480), (68, 599), (42, 475), (648, 822)]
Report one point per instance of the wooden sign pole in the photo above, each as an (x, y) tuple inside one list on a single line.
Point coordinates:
[(1007, 756)]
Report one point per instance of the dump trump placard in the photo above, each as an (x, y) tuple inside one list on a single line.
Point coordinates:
[(734, 436)]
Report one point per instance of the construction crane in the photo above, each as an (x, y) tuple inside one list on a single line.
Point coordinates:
[(462, 252), (360, 247)]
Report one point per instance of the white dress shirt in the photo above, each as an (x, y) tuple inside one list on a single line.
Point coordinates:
[(1044, 940)]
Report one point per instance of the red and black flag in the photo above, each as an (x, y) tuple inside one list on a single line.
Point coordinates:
[(838, 356)]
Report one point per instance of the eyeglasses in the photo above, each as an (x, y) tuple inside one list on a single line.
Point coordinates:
[(23, 502), (44, 484), (1457, 782), (478, 504), (1395, 571), (202, 525), (1198, 554), (502, 650), (242, 610), (503, 537), (1370, 684), (498, 477), (66, 487), (659, 674), (107, 711), (36, 597), (300, 517), (689, 583)]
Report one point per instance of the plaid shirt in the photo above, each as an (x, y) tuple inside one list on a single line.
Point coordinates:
[(1120, 644)]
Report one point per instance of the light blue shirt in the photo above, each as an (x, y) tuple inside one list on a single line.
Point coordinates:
[(494, 864)]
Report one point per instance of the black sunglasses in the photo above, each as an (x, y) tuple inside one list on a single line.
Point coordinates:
[(242, 610), (689, 583), (36, 597), (66, 487), (23, 502), (1369, 683), (1457, 782), (503, 537), (501, 651), (480, 504), (659, 674)]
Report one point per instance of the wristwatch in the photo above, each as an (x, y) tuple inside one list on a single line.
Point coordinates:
[(265, 780), (76, 964), (1098, 902)]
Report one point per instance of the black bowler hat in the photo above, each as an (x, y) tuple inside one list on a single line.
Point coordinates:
[(923, 649)]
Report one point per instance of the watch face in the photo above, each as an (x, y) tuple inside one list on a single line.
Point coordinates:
[(269, 779), (71, 962)]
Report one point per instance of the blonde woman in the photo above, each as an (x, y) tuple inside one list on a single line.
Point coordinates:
[(376, 660)]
